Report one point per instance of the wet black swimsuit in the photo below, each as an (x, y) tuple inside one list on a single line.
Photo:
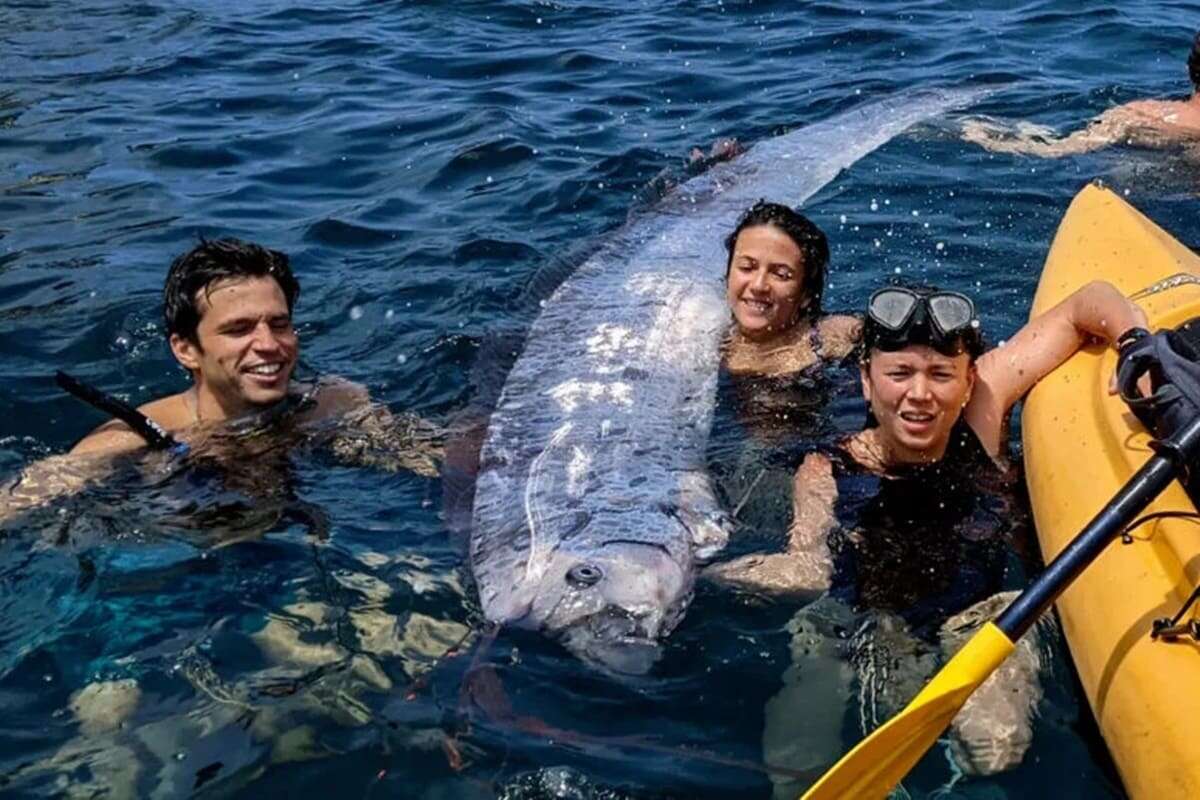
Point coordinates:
[(764, 425), (928, 540), (780, 411)]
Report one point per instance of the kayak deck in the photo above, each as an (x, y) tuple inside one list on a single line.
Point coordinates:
[(1081, 445)]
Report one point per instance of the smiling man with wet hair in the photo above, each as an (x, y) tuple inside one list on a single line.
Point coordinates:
[(227, 308)]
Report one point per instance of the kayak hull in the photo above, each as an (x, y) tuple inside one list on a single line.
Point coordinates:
[(1081, 445)]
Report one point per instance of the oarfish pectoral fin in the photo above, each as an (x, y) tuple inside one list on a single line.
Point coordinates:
[(701, 513), (709, 530)]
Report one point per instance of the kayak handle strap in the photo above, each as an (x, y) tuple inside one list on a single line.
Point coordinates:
[(1169, 628), (143, 426)]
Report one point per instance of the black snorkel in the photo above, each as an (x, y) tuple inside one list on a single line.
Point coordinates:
[(148, 429)]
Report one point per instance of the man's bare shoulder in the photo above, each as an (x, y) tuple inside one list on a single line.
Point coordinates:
[(111, 437), (171, 413)]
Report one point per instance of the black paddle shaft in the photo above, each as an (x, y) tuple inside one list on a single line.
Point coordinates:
[(1172, 455)]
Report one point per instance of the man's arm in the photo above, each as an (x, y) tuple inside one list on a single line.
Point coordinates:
[(111, 437), (1007, 372), (369, 434), (806, 566), (46, 480), (50, 478), (1113, 126)]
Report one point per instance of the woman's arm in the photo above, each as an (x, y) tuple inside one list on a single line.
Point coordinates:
[(807, 565), (1006, 373)]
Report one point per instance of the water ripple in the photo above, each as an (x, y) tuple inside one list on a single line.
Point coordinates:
[(434, 170)]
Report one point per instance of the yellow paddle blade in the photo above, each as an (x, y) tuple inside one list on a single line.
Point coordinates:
[(882, 760)]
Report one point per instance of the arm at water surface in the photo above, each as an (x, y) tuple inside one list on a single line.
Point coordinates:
[(1140, 123), (364, 434), (88, 461), (368, 434), (806, 566), (50, 479)]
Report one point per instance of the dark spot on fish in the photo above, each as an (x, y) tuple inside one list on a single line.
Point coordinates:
[(638, 481), (674, 512), (493, 462), (576, 522), (635, 374)]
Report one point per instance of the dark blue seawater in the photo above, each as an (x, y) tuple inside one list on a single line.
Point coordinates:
[(432, 168)]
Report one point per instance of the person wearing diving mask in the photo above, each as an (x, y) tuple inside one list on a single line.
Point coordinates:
[(905, 529)]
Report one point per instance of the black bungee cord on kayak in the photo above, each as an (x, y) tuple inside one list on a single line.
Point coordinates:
[(1169, 628), (148, 429)]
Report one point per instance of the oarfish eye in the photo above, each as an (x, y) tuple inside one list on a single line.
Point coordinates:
[(582, 575)]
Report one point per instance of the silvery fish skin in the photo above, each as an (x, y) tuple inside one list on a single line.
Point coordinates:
[(592, 504)]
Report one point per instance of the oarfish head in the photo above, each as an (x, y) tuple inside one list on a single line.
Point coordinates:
[(610, 604)]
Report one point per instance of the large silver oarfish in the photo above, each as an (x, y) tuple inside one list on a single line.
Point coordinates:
[(592, 504)]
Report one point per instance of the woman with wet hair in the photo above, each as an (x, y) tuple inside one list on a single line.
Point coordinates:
[(775, 277), (773, 388)]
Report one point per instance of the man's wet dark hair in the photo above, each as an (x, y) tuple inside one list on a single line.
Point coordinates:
[(1193, 63), (814, 247), (214, 260), (921, 332)]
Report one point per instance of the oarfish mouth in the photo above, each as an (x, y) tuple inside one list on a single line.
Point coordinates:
[(616, 641), (627, 656), (617, 624)]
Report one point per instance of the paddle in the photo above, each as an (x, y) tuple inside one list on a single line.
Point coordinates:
[(881, 760)]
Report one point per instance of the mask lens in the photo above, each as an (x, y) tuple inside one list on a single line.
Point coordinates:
[(891, 308), (951, 312)]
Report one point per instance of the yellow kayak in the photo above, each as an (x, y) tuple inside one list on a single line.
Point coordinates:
[(1081, 446)]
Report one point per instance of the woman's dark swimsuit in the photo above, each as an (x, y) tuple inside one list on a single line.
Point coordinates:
[(929, 540), (780, 411), (764, 425)]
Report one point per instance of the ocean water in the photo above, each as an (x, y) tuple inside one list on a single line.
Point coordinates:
[(432, 169)]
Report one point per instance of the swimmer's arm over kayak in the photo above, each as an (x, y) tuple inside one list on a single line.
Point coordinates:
[(1006, 373), (806, 566)]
